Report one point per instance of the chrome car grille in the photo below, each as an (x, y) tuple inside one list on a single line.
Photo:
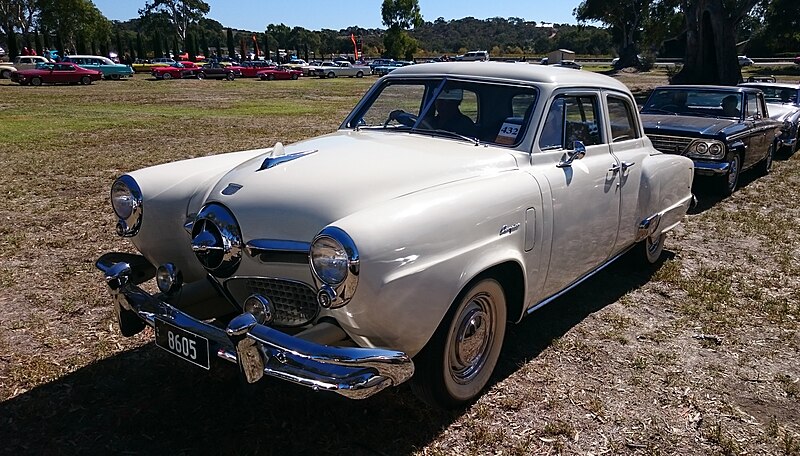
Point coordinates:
[(670, 144), (295, 303)]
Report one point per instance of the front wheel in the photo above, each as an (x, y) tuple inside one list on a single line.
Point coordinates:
[(166, 76), (458, 361), (730, 180), (331, 74), (5, 74), (86, 80), (360, 74), (36, 81), (201, 75), (230, 77), (294, 77)]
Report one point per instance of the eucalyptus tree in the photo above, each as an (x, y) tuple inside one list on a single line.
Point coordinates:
[(400, 16), (180, 13)]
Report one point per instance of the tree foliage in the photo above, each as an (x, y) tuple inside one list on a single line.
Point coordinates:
[(180, 13), (400, 16)]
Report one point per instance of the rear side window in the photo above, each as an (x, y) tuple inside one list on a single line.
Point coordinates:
[(621, 118)]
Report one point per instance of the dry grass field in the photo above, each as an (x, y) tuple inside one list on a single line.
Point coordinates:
[(699, 354)]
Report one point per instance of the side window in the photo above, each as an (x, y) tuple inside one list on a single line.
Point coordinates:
[(469, 105), (621, 118), (752, 106), (570, 119)]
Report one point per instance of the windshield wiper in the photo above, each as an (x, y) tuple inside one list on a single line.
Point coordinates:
[(449, 133), (655, 110)]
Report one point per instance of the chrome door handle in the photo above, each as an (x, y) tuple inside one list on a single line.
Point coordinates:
[(620, 167)]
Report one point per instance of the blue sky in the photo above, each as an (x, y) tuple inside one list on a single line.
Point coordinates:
[(254, 15)]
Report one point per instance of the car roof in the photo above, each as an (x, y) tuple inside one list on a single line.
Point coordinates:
[(718, 88), (521, 72), (780, 85)]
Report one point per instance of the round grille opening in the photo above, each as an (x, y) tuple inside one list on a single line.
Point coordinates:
[(217, 240)]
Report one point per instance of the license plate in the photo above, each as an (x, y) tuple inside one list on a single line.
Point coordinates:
[(182, 343)]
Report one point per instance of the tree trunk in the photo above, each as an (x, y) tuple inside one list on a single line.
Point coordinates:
[(711, 42)]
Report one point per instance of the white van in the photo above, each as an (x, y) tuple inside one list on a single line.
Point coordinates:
[(472, 56)]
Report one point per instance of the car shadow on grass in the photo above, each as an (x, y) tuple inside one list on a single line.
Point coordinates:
[(144, 401)]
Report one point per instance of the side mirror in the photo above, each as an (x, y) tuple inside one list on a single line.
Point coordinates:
[(572, 155)]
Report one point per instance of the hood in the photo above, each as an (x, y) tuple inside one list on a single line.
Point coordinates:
[(660, 124), (318, 181), (782, 111)]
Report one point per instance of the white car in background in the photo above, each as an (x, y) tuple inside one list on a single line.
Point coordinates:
[(453, 200)]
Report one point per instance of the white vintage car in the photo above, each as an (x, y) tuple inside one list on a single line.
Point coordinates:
[(453, 200)]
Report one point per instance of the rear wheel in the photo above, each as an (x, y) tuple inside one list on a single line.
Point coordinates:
[(764, 167), (115, 77), (201, 76), (36, 81), (230, 77), (458, 361), (86, 80), (651, 248), (270, 77), (5, 74)]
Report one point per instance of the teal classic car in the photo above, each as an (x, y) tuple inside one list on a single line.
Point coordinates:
[(105, 65)]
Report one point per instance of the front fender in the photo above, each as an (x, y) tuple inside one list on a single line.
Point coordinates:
[(419, 251), (170, 192)]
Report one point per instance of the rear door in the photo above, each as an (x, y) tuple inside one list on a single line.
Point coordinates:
[(627, 146)]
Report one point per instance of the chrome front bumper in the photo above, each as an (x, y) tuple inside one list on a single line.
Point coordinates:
[(259, 350), (707, 168)]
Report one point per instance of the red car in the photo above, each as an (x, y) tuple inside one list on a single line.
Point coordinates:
[(251, 69), (56, 73), (176, 70), (279, 73)]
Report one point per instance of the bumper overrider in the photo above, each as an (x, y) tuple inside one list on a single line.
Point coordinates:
[(259, 350)]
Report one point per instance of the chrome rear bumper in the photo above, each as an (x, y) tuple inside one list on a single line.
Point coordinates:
[(259, 350)]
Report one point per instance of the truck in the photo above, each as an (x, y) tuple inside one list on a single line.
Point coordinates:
[(340, 69), (559, 56)]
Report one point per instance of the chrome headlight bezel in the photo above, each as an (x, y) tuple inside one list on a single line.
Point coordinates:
[(335, 266), (126, 200), (706, 148)]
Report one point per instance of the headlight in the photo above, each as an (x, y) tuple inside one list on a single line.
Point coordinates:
[(126, 199), (706, 149), (335, 266), (329, 260)]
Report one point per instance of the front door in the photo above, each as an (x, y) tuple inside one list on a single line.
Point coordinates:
[(585, 202)]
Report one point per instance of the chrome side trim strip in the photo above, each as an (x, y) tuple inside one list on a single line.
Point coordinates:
[(577, 282)]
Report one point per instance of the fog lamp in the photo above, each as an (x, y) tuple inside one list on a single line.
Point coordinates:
[(168, 278), (261, 308)]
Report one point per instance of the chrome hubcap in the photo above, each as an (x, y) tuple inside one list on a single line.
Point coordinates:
[(472, 338), (733, 174)]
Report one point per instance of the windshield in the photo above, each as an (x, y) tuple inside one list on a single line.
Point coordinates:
[(774, 94), (694, 102), (476, 111)]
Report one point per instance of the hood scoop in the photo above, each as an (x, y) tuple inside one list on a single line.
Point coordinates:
[(278, 156)]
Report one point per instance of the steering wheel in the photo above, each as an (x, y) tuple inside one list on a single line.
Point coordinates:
[(405, 118)]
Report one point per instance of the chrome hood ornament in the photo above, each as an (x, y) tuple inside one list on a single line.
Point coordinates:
[(278, 156)]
